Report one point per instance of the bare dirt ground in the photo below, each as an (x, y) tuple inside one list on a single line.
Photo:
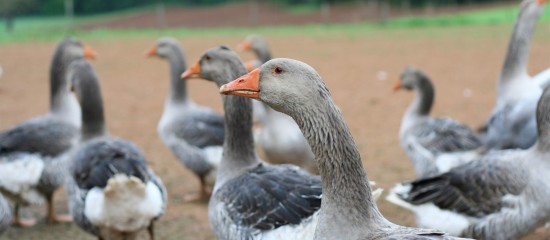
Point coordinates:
[(460, 60)]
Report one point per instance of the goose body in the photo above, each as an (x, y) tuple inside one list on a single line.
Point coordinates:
[(6, 216), (348, 209), (280, 138), (500, 196), (512, 122), (33, 162), (434, 145), (192, 132), (113, 194), (251, 199)]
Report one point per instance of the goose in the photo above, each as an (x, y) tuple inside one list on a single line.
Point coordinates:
[(192, 132), (348, 209), (512, 121), (113, 194), (280, 138), (503, 195), (433, 144), (32, 159), (251, 199), (5, 215)]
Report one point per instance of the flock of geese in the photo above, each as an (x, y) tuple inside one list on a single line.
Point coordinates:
[(490, 184)]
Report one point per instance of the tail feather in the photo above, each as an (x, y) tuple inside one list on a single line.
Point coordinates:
[(125, 204), (397, 195), (20, 174)]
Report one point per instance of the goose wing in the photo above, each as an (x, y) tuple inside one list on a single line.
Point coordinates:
[(36, 135), (201, 129), (474, 189), (267, 197), (446, 135)]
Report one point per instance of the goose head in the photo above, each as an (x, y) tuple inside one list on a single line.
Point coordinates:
[(215, 64), (164, 48), (411, 78), (284, 84), (70, 49), (254, 43), (527, 7)]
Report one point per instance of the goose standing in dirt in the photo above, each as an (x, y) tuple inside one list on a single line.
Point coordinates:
[(32, 154), (193, 133), (113, 194), (280, 138), (253, 200), (512, 121), (348, 208), (6, 216), (434, 145), (503, 195)]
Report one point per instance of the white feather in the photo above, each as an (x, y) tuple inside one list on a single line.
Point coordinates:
[(304, 230), (20, 175), (125, 204), (428, 215)]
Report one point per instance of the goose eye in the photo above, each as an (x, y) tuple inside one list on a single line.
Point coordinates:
[(278, 70), (207, 58)]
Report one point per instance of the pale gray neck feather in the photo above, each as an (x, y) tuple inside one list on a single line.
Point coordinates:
[(238, 147), (345, 183), (543, 122), (178, 87), (421, 106), (515, 63)]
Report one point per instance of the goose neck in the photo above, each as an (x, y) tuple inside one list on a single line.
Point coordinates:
[(345, 183), (238, 147), (178, 88), (515, 63)]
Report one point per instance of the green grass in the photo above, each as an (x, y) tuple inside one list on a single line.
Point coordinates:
[(53, 28)]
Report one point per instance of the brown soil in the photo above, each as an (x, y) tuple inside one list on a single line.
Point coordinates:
[(233, 15), (134, 89)]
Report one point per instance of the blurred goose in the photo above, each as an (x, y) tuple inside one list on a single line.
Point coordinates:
[(253, 200), (503, 195), (32, 160), (512, 121), (433, 144), (113, 194), (348, 208), (5, 215), (280, 138), (193, 133)]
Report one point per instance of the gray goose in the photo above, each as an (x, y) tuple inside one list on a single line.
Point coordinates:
[(113, 194), (192, 132), (434, 145), (512, 121), (348, 208), (503, 195), (280, 138), (32, 162), (6, 216), (251, 199)]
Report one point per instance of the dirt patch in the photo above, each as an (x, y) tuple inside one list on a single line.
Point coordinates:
[(134, 88), (240, 14)]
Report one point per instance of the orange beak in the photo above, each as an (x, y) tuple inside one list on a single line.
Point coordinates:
[(397, 86), (89, 52), (542, 2), (245, 86), (193, 72), (249, 66), (152, 52), (246, 45)]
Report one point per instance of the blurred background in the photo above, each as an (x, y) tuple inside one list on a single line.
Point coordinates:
[(359, 47), (47, 18)]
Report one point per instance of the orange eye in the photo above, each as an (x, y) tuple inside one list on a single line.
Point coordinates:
[(278, 70)]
